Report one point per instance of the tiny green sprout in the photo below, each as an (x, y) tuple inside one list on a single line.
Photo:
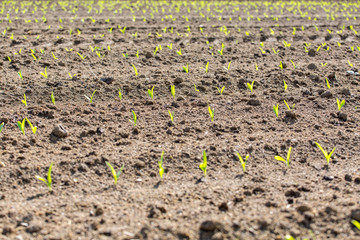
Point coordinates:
[(220, 51), (136, 72), (211, 112), (340, 104), (45, 75), (81, 56), (115, 174), (170, 46), (151, 92), (90, 98), (287, 161), (20, 75), (33, 129), (285, 86), (318, 49), (173, 91), (323, 64), (69, 50), (186, 69), (171, 115), (21, 126), (48, 182), (276, 109), (125, 55), (137, 53), (120, 94), (134, 118), (281, 65), (327, 156), (243, 163), (293, 63), (52, 98), (9, 59), (24, 100), (55, 58), (262, 51), (250, 86), (256, 67), (327, 83), (228, 68), (71, 76), (276, 52), (1, 126), (356, 224), (92, 49), (203, 165), (220, 90), (196, 90), (207, 67), (350, 64), (161, 167), (99, 55), (179, 52), (287, 105)]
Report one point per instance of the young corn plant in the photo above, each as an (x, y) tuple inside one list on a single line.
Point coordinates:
[(356, 224), (151, 92), (135, 70), (90, 98), (327, 83), (186, 69), (173, 91), (327, 156), (21, 126), (24, 100), (45, 75), (179, 52), (276, 109), (120, 94), (207, 67), (1, 126), (171, 114), (287, 161), (134, 118), (33, 129), (243, 163), (115, 174), (288, 107), (203, 165), (250, 86), (52, 97), (220, 90), (211, 112), (340, 104), (285, 86), (161, 167), (48, 182), (81, 56)]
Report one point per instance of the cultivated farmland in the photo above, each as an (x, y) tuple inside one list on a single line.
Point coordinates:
[(179, 120)]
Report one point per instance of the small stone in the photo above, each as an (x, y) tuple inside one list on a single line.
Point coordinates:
[(59, 131), (355, 215), (211, 226), (348, 177), (326, 94), (33, 229), (342, 116), (346, 91), (254, 102), (303, 208), (100, 130), (292, 193), (332, 77), (290, 114), (312, 52), (99, 211), (328, 178), (7, 230), (148, 55), (312, 66), (107, 80), (224, 207), (178, 80), (357, 180)]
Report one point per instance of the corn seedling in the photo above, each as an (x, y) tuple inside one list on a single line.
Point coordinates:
[(288, 107), (161, 167), (207, 67), (327, 156), (340, 104), (356, 224), (115, 174), (24, 100), (20, 75), (99, 55), (151, 92), (90, 98), (173, 91), (203, 165), (276, 52), (48, 182), (136, 72), (69, 50), (211, 112), (33, 129), (169, 46), (137, 53), (1, 126), (220, 90), (323, 64), (276, 109), (262, 51), (55, 58), (327, 83), (287, 161), (293, 64), (281, 65), (179, 52), (250, 86), (285, 86), (45, 75), (256, 67), (134, 118), (196, 90), (21, 126), (186, 69), (228, 68), (171, 115), (81, 56), (71, 76), (243, 163), (52, 98), (120, 94)]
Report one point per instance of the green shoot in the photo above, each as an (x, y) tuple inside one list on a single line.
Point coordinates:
[(276, 109), (203, 165), (171, 116), (228, 68), (262, 51), (52, 98), (179, 52), (24, 101), (120, 94), (81, 56), (287, 161), (123, 30), (115, 174), (207, 67), (136, 72), (220, 90), (327, 156), (196, 90), (90, 98), (327, 83), (21, 126), (243, 163), (281, 65), (285, 86), (33, 129), (170, 46), (293, 63), (151, 92), (33, 56), (20, 75), (134, 118), (256, 67), (250, 86), (1, 126), (350, 64), (186, 69), (356, 224), (173, 91), (340, 104), (44, 73), (137, 53), (288, 107), (48, 182), (276, 52), (161, 168), (211, 111), (55, 58), (220, 51)]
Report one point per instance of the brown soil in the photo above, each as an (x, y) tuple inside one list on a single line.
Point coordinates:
[(309, 199)]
